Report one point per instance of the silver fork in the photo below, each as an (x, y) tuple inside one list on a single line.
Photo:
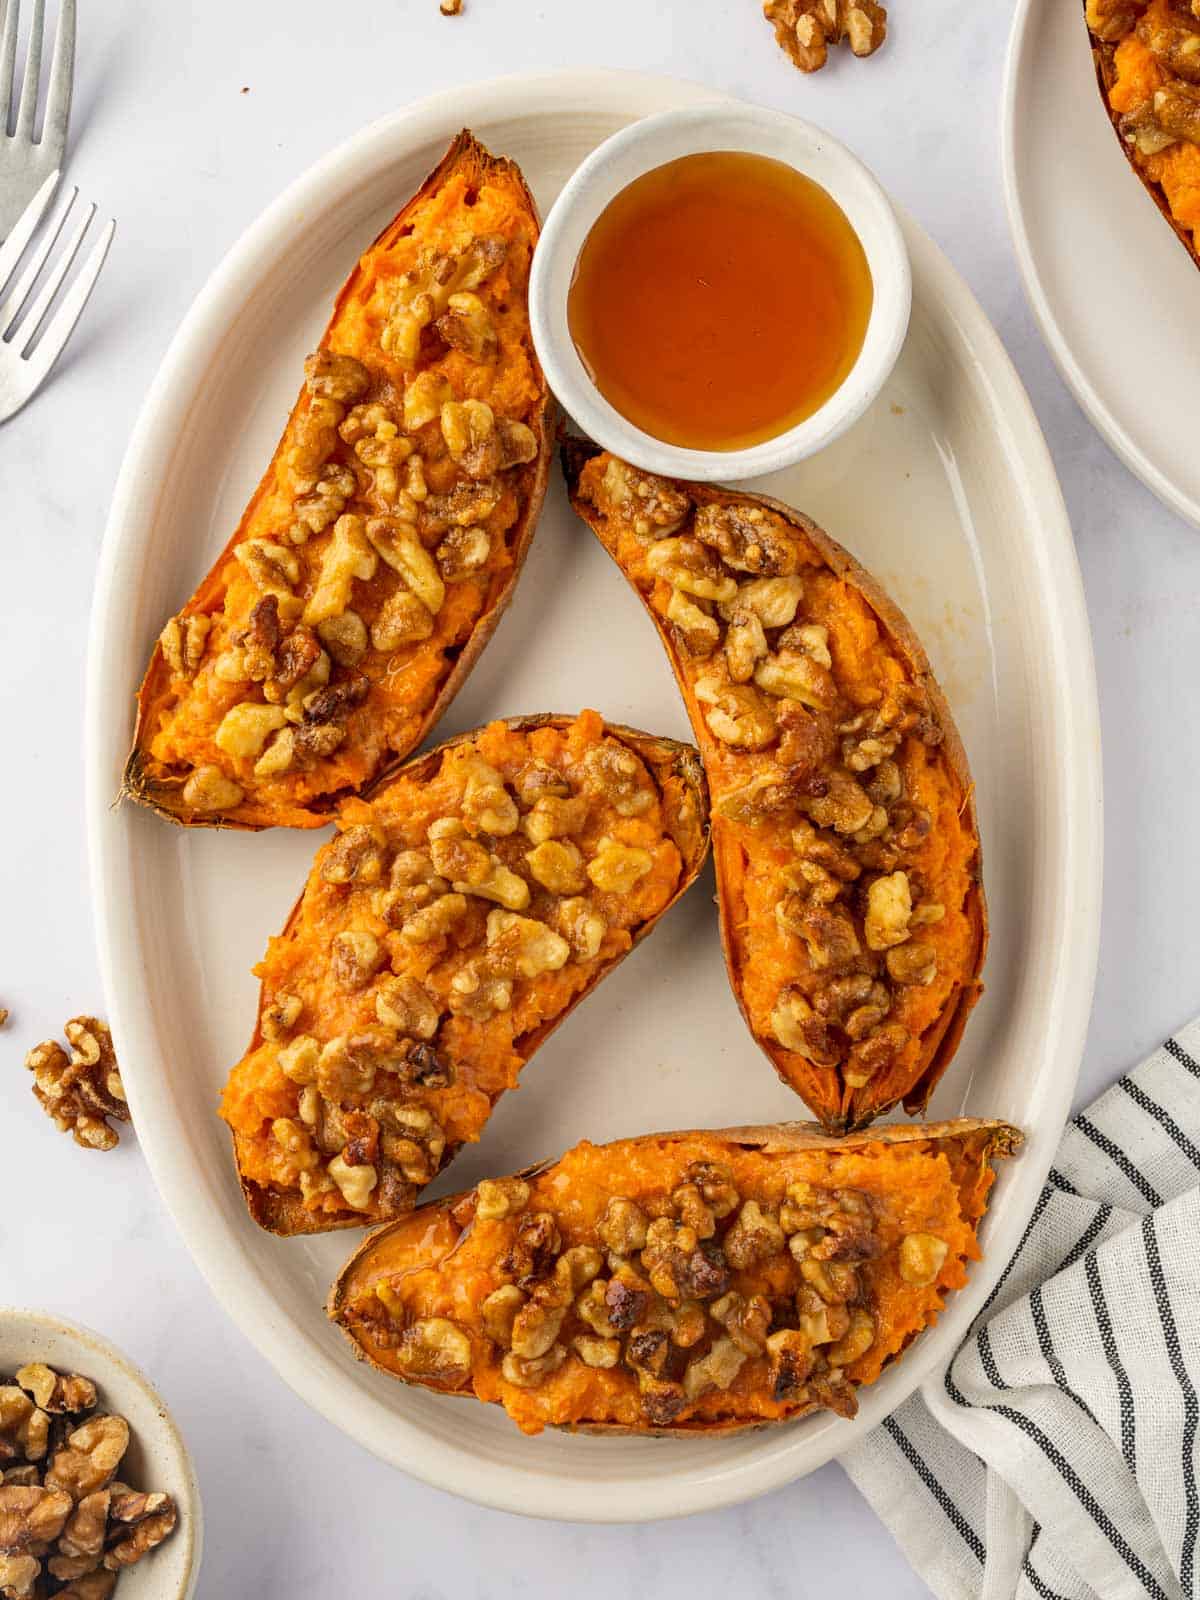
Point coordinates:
[(24, 364), (25, 163)]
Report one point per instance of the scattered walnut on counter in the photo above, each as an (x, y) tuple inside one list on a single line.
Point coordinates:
[(67, 1526), (806, 28), (451, 8), (83, 1090)]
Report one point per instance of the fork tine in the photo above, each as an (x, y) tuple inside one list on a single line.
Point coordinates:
[(58, 89), (33, 72), (62, 323), (41, 306), (23, 288), (14, 246), (8, 56)]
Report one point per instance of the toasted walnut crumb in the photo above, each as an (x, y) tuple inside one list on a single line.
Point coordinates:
[(82, 1091), (921, 1257), (451, 8)]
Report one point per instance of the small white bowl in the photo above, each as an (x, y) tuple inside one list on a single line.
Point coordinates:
[(157, 1456), (651, 143)]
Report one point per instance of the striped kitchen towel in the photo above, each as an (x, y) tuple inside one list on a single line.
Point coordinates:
[(1057, 1457)]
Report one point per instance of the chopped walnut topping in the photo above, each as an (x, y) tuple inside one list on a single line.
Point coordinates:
[(355, 958), (208, 789), (653, 506), (336, 377), (355, 856), (554, 816), (616, 867), (498, 1198), (698, 628), (399, 546), (736, 714), (527, 1373), (183, 640), (623, 1227), (406, 1005), (750, 539), (499, 1310), (557, 866), (715, 1370), (356, 1181), (687, 565), (754, 1237), (436, 1349), (889, 910), (582, 926), (596, 1352), (922, 1256), (83, 1091)]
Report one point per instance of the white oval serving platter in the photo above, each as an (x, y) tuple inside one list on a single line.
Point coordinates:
[(946, 491), (1112, 289)]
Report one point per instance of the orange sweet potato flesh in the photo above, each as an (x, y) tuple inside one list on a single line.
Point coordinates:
[(1136, 50), (365, 447), (870, 1016), (399, 1090), (864, 1195)]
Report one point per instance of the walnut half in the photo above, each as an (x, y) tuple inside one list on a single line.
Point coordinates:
[(806, 28), (80, 1092)]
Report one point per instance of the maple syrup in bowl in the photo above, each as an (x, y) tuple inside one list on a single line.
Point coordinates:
[(719, 292), (720, 299)]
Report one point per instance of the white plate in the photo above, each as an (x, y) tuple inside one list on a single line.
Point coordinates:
[(945, 489), (1112, 288)]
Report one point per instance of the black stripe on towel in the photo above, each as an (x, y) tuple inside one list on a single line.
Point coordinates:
[(1055, 1177), (1187, 1558), (1119, 1159), (1038, 1585), (983, 1341), (1163, 1117), (1036, 1582), (1043, 1202), (1076, 1485), (1046, 1346), (1174, 1048), (1113, 1357), (955, 1517), (1084, 1243)]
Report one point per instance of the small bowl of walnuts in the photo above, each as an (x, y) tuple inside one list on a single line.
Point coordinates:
[(98, 1496)]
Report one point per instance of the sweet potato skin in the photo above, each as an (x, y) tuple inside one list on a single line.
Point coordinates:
[(442, 1225), (839, 1109), (145, 781), (1104, 61), (673, 765)]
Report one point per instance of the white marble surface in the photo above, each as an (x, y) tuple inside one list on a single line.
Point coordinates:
[(166, 139)]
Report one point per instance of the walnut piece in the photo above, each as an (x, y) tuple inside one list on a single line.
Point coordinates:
[(68, 1516), (806, 28), (82, 1091)]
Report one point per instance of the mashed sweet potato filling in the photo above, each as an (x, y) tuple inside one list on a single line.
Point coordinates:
[(1154, 89), (386, 530), (680, 1281), (843, 830), (455, 918)]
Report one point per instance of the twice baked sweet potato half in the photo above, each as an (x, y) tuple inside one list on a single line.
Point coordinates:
[(382, 545), (463, 910), (847, 855), (1147, 56), (678, 1283)]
